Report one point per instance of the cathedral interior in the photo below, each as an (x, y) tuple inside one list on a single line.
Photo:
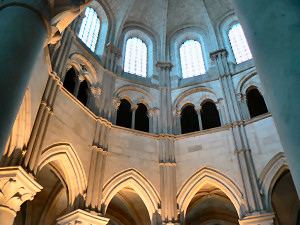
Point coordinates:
[(147, 112)]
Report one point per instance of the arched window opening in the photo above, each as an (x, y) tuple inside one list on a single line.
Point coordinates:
[(141, 118), (210, 115), (69, 82), (239, 44), (124, 114), (191, 57), (189, 120), (83, 92), (89, 29), (285, 202), (256, 103), (136, 57)]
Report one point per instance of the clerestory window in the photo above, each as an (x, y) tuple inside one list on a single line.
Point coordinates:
[(191, 57), (89, 29), (136, 57), (239, 44)]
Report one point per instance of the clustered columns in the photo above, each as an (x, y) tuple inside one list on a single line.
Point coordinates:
[(112, 56), (277, 62), (167, 167), (94, 99), (220, 108), (153, 114), (242, 99), (254, 205), (176, 116), (165, 97)]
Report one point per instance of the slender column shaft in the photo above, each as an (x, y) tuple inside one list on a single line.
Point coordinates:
[(276, 55), (23, 35)]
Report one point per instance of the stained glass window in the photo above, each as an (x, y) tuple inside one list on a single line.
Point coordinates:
[(192, 63), (89, 29), (136, 57), (239, 44)]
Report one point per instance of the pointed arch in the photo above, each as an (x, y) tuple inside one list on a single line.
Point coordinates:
[(270, 174), (69, 166), (134, 179), (207, 175)]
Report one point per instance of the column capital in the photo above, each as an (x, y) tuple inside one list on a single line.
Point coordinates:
[(81, 77), (134, 108), (116, 103), (218, 54), (176, 112), (262, 219), (164, 65), (96, 91), (82, 217), (111, 49), (153, 112), (16, 187), (241, 97), (198, 109)]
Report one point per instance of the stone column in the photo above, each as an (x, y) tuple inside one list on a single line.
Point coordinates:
[(133, 109), (112, 56), (198, 110), (23, 35), (253, 199), (78, 81), (116, 105), (177, 122), (243, 106), (220, 109), (82, 217), (94, 100), (16, 187), (153, 116), (164, 69), (277, 62), (167, 167)]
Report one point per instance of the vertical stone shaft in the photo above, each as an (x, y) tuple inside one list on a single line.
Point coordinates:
[(242, 149), (23, 35), (276, 55)]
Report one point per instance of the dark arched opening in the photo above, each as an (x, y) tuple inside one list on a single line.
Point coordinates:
[(83, 92), (285, 201), (210, 116), (69, 82), (189, 120), (141, 118), (256, 103), (124, 114)]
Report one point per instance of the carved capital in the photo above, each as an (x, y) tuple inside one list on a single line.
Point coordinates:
[(218, 54), (176, 112), (96, 91), (154, 112), (111, 49), (81, 77), (241, 97), (198, 109), (116, 103), (16, 187), (83, 218), (164, 65), (134, 108)]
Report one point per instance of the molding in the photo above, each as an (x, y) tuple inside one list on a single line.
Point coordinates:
[(82, 217), (261, 219), (16, 187)]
